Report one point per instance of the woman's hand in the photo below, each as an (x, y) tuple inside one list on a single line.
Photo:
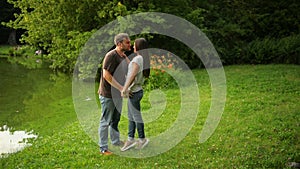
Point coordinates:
[(125, 93)]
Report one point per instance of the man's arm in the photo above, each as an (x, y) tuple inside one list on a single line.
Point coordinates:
[(111, 80), (108, 77), (130, 79)]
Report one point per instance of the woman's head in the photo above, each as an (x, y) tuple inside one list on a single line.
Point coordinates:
[(140, 45)]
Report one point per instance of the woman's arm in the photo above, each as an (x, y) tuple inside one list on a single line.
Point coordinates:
[(130, 79)]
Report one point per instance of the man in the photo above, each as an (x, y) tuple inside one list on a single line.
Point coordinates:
[(114, 68)]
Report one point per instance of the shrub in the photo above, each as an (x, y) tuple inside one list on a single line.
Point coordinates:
[(270, 50), (163, 69)]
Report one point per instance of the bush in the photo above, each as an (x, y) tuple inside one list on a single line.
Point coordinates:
[(64, 58), (270, 50), (162, 72)]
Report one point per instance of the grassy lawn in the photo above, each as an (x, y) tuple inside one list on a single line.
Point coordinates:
[(260, 128)]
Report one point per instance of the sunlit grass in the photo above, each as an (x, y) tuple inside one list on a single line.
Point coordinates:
[(259, 128)]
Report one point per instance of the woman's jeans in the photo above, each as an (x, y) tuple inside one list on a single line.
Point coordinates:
[(111, 113), (135, 116)]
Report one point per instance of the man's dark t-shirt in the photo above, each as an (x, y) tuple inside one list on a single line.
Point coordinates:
[(117, 67)]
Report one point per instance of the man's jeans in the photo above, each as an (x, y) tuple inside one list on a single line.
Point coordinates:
[(111, 112), (135, 116)]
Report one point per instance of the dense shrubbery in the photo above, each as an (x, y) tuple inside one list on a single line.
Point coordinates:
[(236, 27), (270, 50), (162, 68)]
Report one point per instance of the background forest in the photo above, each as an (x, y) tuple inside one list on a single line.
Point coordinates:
[(242, 31)]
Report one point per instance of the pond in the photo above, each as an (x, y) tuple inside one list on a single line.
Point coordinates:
[(33, 103)]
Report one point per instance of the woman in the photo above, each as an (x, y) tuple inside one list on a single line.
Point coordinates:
[(138, 68)]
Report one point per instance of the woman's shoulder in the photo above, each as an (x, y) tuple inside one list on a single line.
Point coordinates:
[(138, 57)]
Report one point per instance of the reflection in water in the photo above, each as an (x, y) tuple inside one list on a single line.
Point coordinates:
[(11, 142), (32, 99)]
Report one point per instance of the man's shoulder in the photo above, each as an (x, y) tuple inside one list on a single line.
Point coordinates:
[(111, 53), (111, 56)]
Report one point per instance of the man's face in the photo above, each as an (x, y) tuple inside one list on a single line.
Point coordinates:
[(125, 45)]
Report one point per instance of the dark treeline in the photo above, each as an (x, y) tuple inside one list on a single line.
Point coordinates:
[(242, 31)]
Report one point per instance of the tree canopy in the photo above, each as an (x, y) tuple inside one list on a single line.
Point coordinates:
[(238, 29)]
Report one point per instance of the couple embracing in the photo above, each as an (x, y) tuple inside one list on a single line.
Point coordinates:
[(122, 78)]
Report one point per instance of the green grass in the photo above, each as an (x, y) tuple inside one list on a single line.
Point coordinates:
[(259, 128)]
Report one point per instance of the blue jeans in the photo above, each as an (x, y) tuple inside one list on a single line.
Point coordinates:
[(111, 113), (135, 116)]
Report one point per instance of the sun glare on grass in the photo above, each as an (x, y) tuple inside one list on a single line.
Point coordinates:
[(11, 142)]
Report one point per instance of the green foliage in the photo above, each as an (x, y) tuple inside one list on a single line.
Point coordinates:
[(159, 79), (50, 24), (232, 25), (64, 59), (276, 19), (270, 50), (162, 73), (5, 50), (62, 28)]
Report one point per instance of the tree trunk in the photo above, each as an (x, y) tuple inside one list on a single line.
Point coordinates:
[(12, 38)]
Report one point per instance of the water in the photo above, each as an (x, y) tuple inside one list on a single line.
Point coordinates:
[(32, 102)]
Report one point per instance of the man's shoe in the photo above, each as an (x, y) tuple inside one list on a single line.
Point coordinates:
[(142, 143), (128, 145), (106, 152)]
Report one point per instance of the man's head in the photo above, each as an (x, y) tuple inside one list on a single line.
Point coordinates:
[(122, 41)]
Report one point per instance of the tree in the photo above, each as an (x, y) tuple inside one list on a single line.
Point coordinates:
[(8, 35), (62, 27), (51, 25)]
